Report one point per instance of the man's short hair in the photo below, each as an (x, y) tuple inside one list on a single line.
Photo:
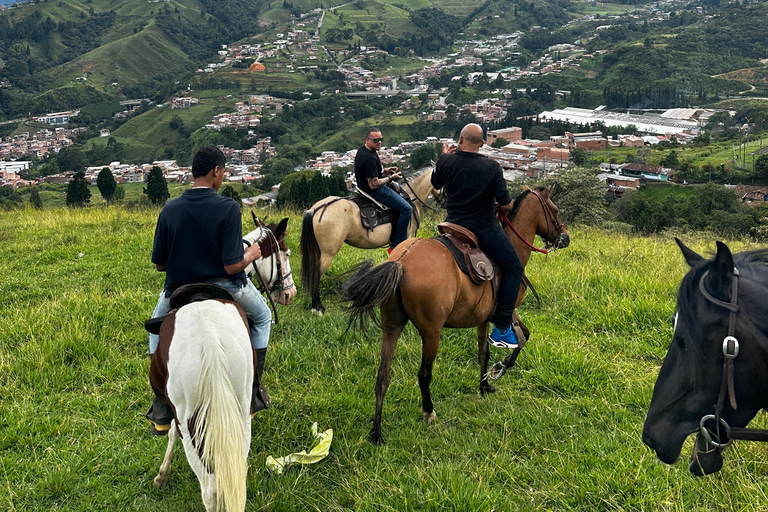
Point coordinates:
[(371, 130), (206, 159)]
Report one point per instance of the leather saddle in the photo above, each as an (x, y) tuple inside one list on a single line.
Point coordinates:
[(187, 294), (469, 257), (373, 213)]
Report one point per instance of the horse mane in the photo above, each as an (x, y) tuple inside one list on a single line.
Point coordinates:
[(519, 200)]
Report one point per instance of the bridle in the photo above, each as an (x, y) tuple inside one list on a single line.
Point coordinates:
[(276, 275), (415, 195), (551, 217), (730, 351)]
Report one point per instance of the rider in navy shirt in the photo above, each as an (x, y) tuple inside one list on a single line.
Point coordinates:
[(473, 185), (199, 238)]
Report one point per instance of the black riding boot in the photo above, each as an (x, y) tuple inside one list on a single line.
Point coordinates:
[(160, 414), (260, 398)]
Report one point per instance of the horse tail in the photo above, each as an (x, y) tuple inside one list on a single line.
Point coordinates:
[(310, 254), (219, 424), (368, 288)]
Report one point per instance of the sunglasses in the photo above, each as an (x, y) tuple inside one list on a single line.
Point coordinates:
[(377, 140)]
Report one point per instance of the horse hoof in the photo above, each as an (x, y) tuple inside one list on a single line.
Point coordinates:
[(318, 312), (429, 417), (376, 439), (487, 390), (159, 481)]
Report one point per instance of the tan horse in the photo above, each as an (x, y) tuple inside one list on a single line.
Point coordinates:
[(333, 221), (421, 282)]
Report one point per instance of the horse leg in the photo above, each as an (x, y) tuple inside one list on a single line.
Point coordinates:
[(430, 341), (165, 468), (325, 263), (393, 320), (483, 356), (204, 474)]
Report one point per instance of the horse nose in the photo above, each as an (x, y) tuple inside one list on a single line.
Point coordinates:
[(563, 241)]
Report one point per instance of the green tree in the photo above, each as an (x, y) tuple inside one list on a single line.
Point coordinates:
[(761, 167), (119, 194), (71, 159), (579, 156), (78, 192), (580, 196), (229, 191), (35, 200), (156, 189), (422, 156), (671, 160), (107, 184)]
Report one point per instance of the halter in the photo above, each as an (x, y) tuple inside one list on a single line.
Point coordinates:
[(276, 268), (730, 351), (550, 215)]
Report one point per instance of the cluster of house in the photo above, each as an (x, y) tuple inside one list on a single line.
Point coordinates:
[(41, 144), (246, 116)]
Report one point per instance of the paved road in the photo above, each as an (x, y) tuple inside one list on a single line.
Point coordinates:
[(12, 121)]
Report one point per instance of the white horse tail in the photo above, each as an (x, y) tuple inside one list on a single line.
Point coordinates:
[(219, 424)]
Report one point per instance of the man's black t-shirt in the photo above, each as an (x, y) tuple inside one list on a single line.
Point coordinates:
[(471, 182), (367, 165), (197, 234)]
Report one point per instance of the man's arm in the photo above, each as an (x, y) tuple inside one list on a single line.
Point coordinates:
[(251, 254), (375, 183)]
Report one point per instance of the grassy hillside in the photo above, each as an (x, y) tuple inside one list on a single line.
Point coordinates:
[(561, 433), (128, 61)]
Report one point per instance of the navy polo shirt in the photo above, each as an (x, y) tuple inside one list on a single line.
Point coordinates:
[(197, 234)]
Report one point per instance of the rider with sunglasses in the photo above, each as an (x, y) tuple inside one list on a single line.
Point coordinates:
[(371, 178)]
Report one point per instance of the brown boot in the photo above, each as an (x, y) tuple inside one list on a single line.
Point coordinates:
[(260, 398)]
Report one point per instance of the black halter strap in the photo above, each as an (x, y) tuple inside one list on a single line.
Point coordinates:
[(730, 351)]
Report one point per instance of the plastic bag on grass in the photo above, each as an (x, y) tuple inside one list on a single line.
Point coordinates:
[(318, 452)]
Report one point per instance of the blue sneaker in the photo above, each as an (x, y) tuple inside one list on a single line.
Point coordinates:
[(503, 339)]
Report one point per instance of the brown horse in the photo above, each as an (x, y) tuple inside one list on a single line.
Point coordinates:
[(335, 220), (421, 282)]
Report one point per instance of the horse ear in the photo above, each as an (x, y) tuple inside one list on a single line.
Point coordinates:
[(721, 274), (690, 256), (256, 221), (526, 188), (280, 229)]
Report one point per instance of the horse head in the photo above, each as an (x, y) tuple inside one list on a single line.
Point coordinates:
[(692, 374), (548, 225), (274, 265)]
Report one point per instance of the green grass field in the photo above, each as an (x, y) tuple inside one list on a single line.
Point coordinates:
[(561, 433)]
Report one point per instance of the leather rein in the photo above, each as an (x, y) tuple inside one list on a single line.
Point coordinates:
[(730, 351)]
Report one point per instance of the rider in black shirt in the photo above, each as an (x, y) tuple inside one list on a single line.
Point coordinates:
[(368, 174), (473, 184)]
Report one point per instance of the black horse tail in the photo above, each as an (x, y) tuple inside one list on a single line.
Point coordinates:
[(368, 288), (310, 254)]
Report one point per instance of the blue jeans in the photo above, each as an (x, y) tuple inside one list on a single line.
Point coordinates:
[(496, 245), (389, 197), (249, 298)]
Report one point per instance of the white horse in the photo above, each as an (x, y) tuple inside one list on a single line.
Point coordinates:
[(209, 380), (205, 363)]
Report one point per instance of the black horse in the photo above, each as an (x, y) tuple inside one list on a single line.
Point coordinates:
[(714, 379)]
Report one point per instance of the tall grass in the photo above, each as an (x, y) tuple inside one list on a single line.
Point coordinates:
[(561, 433)]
